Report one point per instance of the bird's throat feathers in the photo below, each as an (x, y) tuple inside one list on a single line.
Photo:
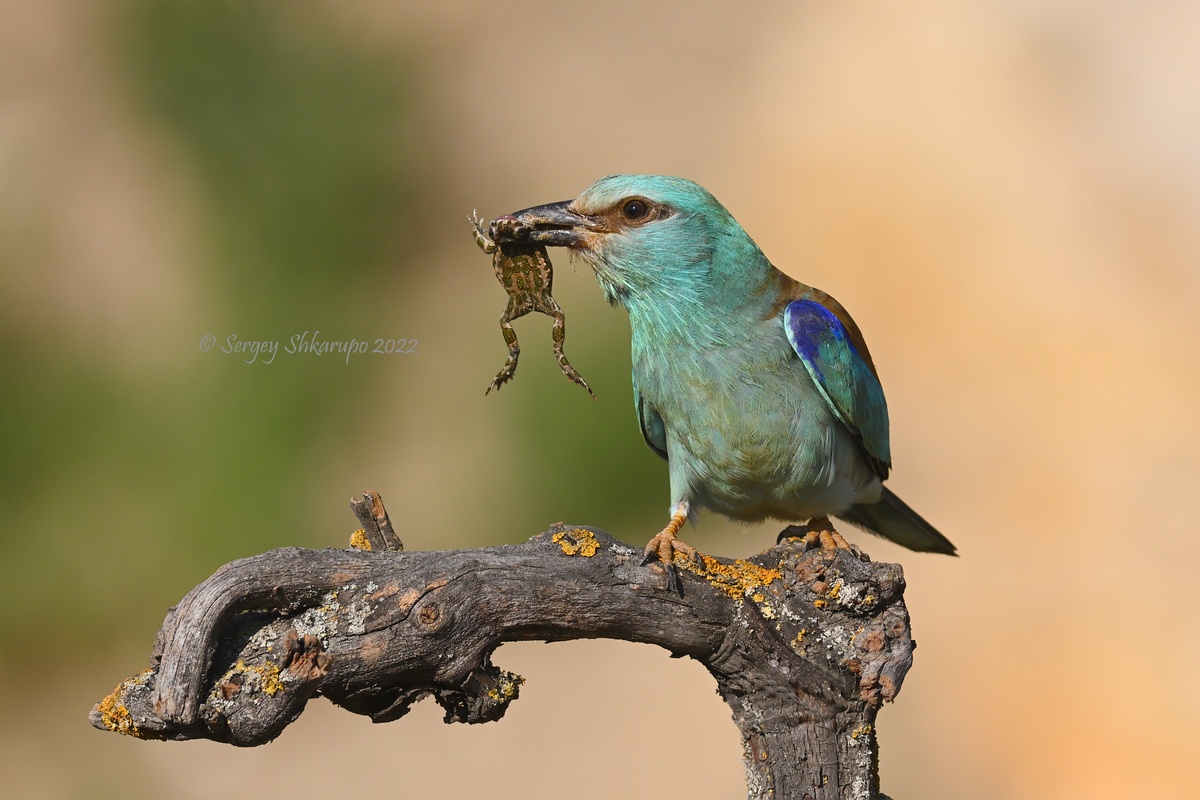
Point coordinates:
[(686, 274), (664, 249)]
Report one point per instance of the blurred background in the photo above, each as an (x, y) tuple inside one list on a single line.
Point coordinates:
[(1006, 196)]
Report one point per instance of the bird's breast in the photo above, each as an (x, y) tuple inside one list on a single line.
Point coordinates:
[(748, 434)]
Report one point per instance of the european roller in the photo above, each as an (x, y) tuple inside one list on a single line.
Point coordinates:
[(758, 390)]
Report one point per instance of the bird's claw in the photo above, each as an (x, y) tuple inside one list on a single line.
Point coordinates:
[(820, 534), (665, 546)]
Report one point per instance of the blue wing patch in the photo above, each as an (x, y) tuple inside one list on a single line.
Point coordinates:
[(842, 376), (651, 423)]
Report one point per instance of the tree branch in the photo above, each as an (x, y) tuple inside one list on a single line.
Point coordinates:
[(805, 644)]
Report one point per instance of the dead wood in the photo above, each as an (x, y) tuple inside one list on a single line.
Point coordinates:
[(805, 644)]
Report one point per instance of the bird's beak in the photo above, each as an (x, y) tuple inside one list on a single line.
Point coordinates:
[(553, 224)]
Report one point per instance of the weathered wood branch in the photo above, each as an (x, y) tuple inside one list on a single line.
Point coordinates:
[(805, 644)]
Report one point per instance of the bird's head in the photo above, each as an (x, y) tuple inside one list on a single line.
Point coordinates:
[(653, 240)]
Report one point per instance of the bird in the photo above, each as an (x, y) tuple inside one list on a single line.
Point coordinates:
[(757, 389)]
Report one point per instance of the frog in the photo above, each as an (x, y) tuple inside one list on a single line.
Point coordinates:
[(524, 270)]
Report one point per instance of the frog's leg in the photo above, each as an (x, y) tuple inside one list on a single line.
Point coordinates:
[(514, 311), (481, 238), (558, 335)]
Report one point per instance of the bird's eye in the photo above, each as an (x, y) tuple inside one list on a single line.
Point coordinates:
[(634, 209)]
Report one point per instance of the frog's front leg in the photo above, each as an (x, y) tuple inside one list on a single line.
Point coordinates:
[(481, 238), (558, 335), (514, 311)]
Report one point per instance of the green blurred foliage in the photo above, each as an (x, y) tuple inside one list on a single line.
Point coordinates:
[(121, 489), (301, 143), (587, 460), (299, 139), (131, 490)]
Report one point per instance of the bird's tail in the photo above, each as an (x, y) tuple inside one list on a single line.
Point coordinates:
[(892, 519)]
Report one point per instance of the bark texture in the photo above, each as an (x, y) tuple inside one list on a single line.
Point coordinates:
[(805, 644)]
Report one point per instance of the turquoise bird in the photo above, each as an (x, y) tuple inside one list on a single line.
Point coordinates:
[(758, 390)]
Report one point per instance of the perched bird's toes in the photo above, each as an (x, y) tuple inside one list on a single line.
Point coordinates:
[(664, 548), (820, 534), (832, 540), (659, 548), (692, 553), (665, 545), (810, 540)]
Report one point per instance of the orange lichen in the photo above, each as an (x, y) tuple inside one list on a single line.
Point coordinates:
[(268, 677), (861, 730), (271, 681), (114, 714), (359, 540), (507, 687), (739, 580), (577, 542)]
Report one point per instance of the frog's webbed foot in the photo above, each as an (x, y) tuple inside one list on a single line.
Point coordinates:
[(507, 372), (514, 350), (505, 375), (574, 375), (481, 238)]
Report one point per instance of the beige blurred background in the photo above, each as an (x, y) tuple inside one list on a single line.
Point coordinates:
[(1006, 196)]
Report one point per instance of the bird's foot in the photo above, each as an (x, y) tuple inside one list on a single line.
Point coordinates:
[(819, 533), (666, 545)]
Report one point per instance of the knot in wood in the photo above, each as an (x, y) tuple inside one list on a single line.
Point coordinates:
[(430, 616)]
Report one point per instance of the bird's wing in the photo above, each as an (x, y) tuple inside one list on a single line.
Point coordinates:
[(651, 423), (833, 352)]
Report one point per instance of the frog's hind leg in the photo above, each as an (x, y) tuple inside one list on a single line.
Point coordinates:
[(510, 338), (558, 335)]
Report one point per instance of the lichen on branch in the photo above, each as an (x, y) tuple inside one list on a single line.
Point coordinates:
[(805, 644)]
